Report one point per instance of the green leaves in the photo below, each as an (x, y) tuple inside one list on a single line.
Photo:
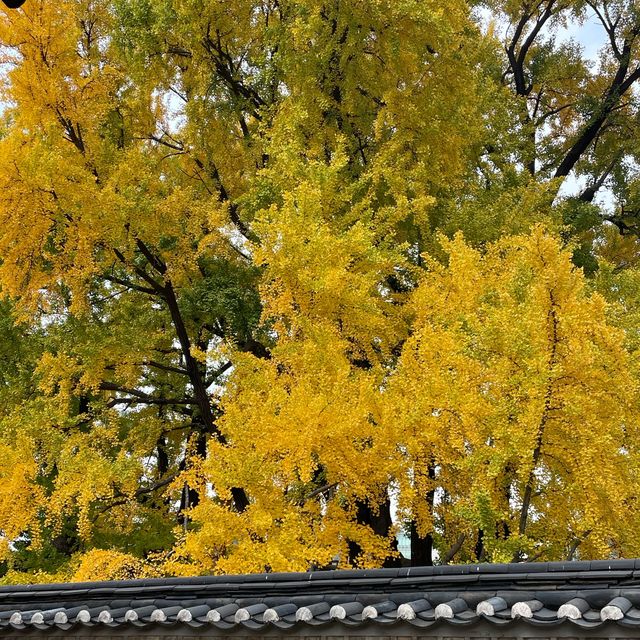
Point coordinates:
[(226, 296)]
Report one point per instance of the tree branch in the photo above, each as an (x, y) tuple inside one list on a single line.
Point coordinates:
[(620, 84), (155, 285), (139, 397), (576, 543), (554, 339), (453, 550), (163, 367), (130, 285), (223, 64), (218, 372), (143, 491), (590, 192)]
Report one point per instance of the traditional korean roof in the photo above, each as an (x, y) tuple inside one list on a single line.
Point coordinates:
[(586, 595)]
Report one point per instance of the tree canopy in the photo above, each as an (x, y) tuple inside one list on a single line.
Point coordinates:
[(283, 279)]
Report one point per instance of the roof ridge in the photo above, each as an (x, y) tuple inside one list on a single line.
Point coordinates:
[(573, 572)]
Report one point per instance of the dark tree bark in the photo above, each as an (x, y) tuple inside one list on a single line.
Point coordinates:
[(380, 522), (422, 547)]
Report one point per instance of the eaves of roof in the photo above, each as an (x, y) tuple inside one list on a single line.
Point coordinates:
[(583, 596)]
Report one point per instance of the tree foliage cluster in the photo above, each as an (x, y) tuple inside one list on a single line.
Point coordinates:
[(283, 279)]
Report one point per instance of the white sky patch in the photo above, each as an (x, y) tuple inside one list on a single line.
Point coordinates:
[(589, 34), (173, 106), (574, 185)]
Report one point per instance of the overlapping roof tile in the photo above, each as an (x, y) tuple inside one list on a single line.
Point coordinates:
[(585, 594)]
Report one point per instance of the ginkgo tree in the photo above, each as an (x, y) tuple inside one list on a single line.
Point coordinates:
[(240, 338), (514, 404), (506, 430)]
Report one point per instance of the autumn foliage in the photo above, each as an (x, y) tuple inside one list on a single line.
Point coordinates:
[(284, 280)]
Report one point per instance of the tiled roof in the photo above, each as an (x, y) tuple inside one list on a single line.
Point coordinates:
[(585, 594)]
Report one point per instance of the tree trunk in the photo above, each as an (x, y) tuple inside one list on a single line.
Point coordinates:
[(380, 523), (422, 547)]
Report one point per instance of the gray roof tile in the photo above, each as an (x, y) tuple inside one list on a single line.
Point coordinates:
[(584, 594)]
